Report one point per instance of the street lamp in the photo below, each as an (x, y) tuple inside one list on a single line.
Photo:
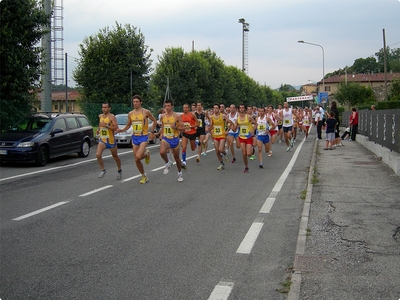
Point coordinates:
[(323, 62), (246, 28)]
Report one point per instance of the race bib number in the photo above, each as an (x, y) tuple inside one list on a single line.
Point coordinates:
[(218, 130), (200, 123), (137, 128), (168, 131), (287, 122), (244, 131), (306, 122), (187, 126), (261, 128), (104, 133)]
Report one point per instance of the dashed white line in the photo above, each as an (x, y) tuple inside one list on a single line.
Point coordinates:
[(39, 211), (95, 191), (250, 238), (221, 291)]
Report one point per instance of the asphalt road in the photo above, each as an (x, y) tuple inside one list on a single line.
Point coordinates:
[(66, 234)]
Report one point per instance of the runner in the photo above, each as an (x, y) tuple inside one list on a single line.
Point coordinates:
[(201, 129), (295, 123), (190, 122), (263, 125), (246, 126), (287, 118), (138, 118), (307, 118), (169, 134), (217, 129), (233, 135), (280, 130), (107, 126), (252, 115), (273, 131), (208, 133)]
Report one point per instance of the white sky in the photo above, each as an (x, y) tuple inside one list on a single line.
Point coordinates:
[(346, 29)]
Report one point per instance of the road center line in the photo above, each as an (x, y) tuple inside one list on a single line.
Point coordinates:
[(95, 191), (221, 291), (39, 211), (250, 238)]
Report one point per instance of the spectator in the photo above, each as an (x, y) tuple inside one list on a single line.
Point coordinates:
[(330, 130), (336, 112), (373, 107), (353, 124), (318, 121)]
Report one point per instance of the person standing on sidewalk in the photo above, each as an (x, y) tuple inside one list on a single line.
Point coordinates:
[(138, 118), (330, 130), (353, 124), (318, 121), (107, 126)]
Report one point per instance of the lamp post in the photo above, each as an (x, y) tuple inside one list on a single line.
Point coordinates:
[(323, 62), (246, 28)]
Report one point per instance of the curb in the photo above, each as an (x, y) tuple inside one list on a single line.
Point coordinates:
[(294, 292)]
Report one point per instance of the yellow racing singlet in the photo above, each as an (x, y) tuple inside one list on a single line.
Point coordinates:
[(169, 132), (140, 125), (245, 127), (106, 134), (218, 126)]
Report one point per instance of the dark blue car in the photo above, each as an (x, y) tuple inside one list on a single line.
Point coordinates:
[(39, 137)]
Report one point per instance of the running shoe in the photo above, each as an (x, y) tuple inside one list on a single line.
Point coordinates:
[(221, 166), (197, 158), (119, 175), (252, 157), (144, 179), (147, 159), (226, 157), (288, 149), (184, 165), (167, 166), (261, 166), (270, 153), (180, 178), (233, 160), (204, 154), (102, 173), (246, 170)]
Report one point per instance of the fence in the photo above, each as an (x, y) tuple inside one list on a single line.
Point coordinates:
[(380, 126)]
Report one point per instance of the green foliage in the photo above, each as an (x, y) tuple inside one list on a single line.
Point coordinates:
[(394, 94), (106, 63), (353, 94), (93, 110), (365, 65), (21, 29), (203, 76)]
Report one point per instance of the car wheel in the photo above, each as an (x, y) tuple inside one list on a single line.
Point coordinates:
[(85, 149), (42, 157)]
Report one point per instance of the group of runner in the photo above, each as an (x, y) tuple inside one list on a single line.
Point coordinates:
[(247, 128)]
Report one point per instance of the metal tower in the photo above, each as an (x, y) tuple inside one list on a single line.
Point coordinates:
[(245, 47), (57, 39)]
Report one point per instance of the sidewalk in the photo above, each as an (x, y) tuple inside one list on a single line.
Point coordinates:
[(351, 243)]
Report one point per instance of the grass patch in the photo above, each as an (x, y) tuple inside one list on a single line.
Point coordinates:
[(303, 194), (308, 231), (285, 286), (314, 178)]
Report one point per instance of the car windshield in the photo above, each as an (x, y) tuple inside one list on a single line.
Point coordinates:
[(33, 124), (121, 119)]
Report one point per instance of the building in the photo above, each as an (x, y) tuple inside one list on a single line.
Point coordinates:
[(369, 80), (58, 102)]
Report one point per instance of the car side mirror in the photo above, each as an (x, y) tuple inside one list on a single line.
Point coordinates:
[(55, 131)]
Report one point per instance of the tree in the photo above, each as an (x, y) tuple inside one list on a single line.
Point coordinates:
[(365, 65), (353, 94), (22, 23), (394, 94), (392, 59), (106, 63)]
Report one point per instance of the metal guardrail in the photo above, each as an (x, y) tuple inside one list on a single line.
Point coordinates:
[(380, 126)]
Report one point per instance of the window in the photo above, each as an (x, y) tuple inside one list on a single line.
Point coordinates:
[(55, 106), (84, 121), (72, 123), (60, 123), (327, 88)]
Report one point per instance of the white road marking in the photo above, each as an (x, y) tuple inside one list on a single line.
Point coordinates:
[(221, 291), (266, 208), (39, 211), (250, 238), (95, 191)]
